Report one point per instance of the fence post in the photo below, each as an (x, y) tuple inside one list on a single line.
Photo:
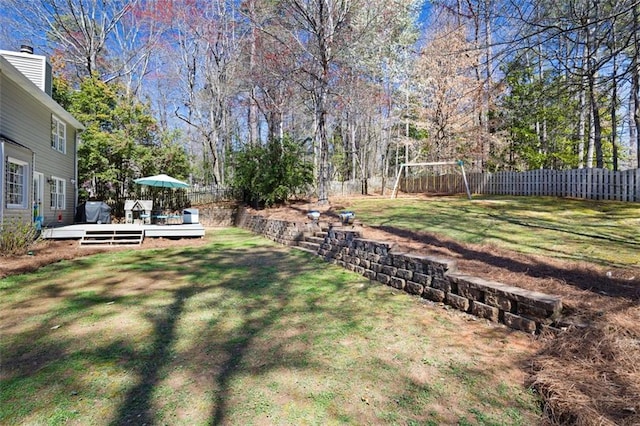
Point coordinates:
[(586, 188), (572, 178)]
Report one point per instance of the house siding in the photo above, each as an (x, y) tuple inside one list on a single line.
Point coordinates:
[(26, 121)]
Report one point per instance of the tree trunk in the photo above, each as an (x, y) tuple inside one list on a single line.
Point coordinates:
[(614, 103), (636, 109), (597, 127), (582, 122), (635, 84)]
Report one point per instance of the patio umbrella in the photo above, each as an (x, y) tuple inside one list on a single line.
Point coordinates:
[(162, 181)]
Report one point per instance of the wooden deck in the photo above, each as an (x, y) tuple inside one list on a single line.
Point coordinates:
[(149, 231)]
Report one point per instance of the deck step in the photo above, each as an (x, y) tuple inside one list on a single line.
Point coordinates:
[(112, 237)]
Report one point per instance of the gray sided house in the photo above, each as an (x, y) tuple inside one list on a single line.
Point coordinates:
[(38, 144)]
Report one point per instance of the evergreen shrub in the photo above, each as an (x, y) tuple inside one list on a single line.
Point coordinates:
[(271, 174)]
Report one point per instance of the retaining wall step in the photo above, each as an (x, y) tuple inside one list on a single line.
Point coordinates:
[(309, 246), (316, 240), (306, 250)]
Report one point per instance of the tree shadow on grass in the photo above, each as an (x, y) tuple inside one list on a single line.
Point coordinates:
[(137, 406), (260, 279)]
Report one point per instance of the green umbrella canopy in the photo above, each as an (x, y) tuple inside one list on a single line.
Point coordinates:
[(162, 181)]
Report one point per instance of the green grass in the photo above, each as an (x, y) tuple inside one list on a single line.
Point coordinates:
[(242, 331), (604, 233)]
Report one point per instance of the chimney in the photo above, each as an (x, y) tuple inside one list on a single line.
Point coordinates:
[(25, 48), (35, 67)]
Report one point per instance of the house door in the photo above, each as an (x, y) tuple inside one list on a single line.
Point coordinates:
[(38, 196)]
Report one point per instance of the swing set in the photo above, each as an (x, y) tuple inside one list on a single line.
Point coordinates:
[(405, 166)]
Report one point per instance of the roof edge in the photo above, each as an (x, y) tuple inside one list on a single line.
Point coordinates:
[(16, 76)]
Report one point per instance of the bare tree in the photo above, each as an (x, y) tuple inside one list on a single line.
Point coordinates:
[(82, 31), (203, 51), (446, 80)]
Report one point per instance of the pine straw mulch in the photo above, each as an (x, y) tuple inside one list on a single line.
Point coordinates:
[(588, 372)]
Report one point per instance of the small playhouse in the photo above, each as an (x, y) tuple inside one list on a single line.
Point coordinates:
[(138, 211)]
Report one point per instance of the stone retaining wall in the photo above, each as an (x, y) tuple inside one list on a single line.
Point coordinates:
[(212, 215), (433, 278), (280, 231)]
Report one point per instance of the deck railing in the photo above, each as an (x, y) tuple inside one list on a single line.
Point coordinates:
[(179, 199)]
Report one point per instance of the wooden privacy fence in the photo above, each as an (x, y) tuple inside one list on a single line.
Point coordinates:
[(594, 184), (211, 194)]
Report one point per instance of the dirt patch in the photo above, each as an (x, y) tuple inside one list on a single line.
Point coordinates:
[(45, 252)]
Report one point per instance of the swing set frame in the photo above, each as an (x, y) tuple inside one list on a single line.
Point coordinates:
[(460, 163)]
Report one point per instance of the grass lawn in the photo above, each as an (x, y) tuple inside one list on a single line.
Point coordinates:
[(603, 233), (242, 331)]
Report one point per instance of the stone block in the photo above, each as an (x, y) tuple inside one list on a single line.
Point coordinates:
[(519, 323), (533, 312), (441, 284), (546, 302), (399, 261), (439, 266), (405, 274), (499, 302), (458, 302), (416, 263), (421, 278), (414, 288), (485, 311), (397, 283), (359, 270), (389, 270), (387, 260), (433, 294), (373, 257), (465, 290), (383, 278), (369, 274), (376, 267)]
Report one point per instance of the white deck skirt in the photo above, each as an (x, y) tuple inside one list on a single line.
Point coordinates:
[(150, 231)]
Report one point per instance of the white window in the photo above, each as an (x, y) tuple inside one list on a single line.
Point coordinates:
[(16, 184), (58, 135), (58, 192)]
